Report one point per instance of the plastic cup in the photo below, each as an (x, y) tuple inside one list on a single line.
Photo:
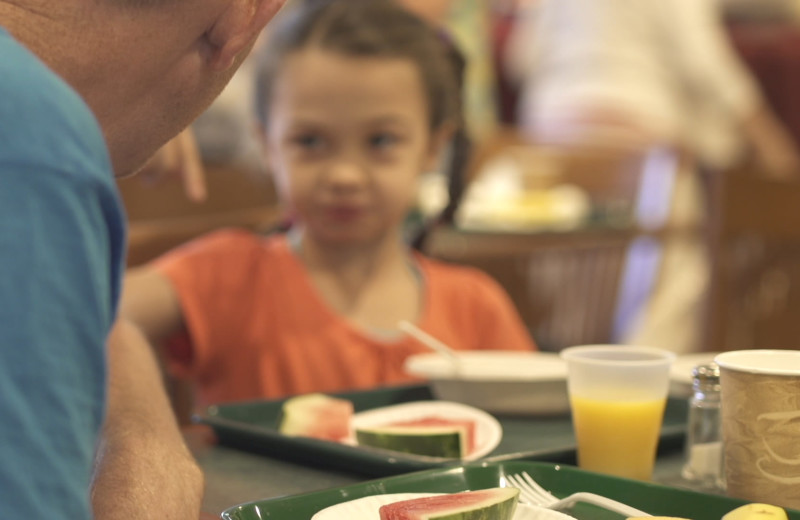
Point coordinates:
[(761, 425), (617, 396)]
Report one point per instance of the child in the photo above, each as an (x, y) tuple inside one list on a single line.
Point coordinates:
[(356, 99)]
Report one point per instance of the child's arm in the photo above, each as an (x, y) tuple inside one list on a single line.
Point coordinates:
[(151, 303)]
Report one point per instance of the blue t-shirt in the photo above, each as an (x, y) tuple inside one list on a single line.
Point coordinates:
[(62, 241)]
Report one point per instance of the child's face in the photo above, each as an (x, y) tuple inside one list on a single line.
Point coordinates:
[(347, 138)]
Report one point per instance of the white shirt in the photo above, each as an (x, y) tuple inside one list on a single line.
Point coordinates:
[(666, 65)]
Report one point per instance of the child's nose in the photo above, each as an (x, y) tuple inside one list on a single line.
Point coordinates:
[(346, 171)]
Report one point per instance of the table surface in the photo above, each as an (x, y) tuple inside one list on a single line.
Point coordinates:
[(234, 476)]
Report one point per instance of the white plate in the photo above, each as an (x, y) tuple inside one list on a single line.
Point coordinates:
[(501, 382), (488, 431), (681, 372), (367, 509)]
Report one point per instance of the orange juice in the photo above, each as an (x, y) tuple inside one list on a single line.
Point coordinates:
[(617, 437)]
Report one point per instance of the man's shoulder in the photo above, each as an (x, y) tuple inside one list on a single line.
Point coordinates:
[(44, 119), (22, 69)]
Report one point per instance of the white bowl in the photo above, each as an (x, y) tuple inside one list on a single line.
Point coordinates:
[(500, 382)]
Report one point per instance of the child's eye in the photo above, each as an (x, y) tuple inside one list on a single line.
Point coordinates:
[(308, 141), (382, 140)]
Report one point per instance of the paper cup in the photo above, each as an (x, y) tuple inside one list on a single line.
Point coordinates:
[(761, 425)]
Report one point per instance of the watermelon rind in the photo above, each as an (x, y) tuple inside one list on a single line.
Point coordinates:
[(484, 504), (440, 441)]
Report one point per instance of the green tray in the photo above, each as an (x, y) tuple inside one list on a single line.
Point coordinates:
[(250, 426), (561, 480)]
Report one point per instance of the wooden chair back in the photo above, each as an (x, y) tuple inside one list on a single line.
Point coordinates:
[(754, 240), (564, 285), (161, 217)]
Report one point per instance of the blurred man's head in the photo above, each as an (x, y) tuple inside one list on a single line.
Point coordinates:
[(146, 68)]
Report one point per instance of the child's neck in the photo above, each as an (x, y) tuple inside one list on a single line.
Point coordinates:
[(374, 285), (351, 261)]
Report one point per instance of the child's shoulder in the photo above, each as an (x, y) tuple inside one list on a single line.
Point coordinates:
[(239, 237), (233, 243), (455, 276), (461, 288)]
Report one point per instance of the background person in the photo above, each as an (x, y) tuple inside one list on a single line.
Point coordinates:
[(638, 74)]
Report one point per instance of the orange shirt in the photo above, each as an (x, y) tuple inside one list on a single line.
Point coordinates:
[(256, 327)]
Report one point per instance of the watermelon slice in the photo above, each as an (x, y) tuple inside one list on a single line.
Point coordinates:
[(494, 503), (431, 436), (316, 415), (442, 441), (468, 424)]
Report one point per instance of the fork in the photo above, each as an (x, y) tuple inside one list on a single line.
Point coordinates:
[(534, 494)]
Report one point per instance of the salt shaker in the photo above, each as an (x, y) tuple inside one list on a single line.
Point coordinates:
[(703, 465)]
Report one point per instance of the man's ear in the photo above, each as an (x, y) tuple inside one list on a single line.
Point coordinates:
[(237, 28), (440, 137)]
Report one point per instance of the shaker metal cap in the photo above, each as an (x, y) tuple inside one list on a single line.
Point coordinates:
[(705, 376)]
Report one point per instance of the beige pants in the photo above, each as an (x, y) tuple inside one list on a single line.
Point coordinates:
[(670, 317)]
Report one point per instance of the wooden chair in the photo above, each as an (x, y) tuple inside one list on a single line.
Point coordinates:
[(566, 284), (161, 217), (754, 240)]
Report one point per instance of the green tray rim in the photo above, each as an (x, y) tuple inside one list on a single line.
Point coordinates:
[(655, 498), (374, 462)]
